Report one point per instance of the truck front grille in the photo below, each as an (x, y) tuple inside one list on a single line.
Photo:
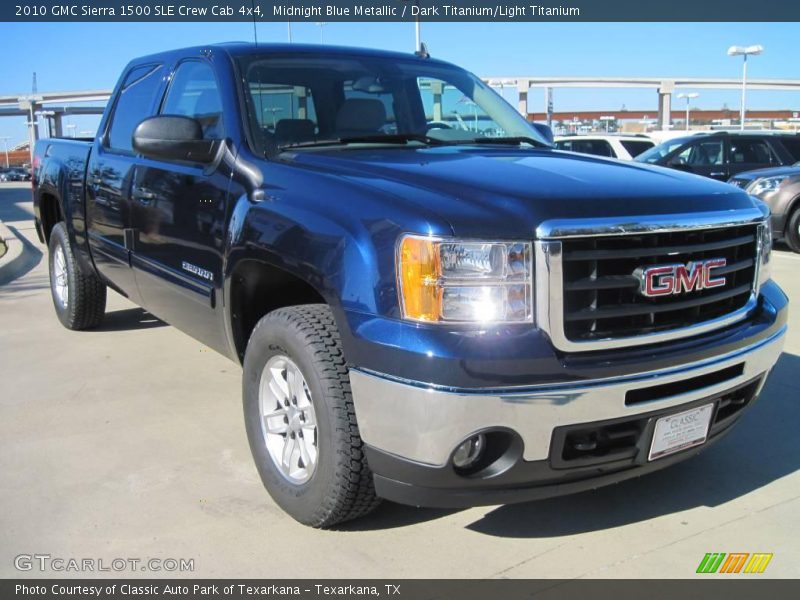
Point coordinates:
[(601, 294)]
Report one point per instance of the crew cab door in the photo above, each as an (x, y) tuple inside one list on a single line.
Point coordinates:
[(109, 175), (178, 216)]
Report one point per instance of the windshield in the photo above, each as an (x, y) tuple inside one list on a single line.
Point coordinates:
[(297, 101), (656, 153)]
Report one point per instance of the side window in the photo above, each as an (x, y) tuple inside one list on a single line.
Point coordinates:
[(705, 153), (595, 147), (751, 151), (792, 146), (636, 147), (194, 93), (134, 104)]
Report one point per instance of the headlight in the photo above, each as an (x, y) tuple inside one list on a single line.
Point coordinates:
[(765, 185), (764, 267), (451, 281)]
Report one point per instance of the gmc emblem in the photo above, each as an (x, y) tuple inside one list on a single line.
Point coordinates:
[(666, 280)]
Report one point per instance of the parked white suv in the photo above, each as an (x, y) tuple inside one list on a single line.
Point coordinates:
[(623, 147)]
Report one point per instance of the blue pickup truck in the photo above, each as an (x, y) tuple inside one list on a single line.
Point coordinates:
[(431, 304)]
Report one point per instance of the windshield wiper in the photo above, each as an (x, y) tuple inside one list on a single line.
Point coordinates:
[(395, 138)]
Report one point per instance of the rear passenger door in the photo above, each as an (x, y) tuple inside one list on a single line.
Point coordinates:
[(110, 172), (178, 215)]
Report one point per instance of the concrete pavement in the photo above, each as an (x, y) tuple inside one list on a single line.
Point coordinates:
[(128, 442)]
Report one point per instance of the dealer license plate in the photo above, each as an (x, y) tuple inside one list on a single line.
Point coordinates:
[(679, 432)]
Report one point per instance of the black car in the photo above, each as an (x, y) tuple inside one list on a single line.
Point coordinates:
[(721, 155)]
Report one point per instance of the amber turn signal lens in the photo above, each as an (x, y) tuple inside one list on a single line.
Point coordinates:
[(420, 270)]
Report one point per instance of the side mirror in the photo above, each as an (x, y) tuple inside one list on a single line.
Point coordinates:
[(172, 137), (544, 131)]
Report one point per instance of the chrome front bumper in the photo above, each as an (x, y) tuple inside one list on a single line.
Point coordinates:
[(424, 423)]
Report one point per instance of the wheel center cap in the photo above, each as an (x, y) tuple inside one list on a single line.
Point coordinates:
[(295, 418)]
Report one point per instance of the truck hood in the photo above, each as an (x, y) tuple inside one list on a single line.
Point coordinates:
[(510, 191)]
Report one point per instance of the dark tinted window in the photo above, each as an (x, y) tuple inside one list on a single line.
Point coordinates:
[(792, 146), (596, 147), (134, 104), (701, 154), (751, 151), (194, 93), (636, 147)]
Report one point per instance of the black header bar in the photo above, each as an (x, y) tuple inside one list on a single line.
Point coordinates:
[(401, 10)]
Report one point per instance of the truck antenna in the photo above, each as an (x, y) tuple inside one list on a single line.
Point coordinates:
[(255, 31), (423, 51)]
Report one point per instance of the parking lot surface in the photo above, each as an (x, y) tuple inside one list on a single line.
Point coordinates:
[(128, 442)]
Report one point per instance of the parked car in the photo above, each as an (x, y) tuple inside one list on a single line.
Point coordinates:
[(15, 174), (431, 315), (721, 155), (780, 189), (624, 147)]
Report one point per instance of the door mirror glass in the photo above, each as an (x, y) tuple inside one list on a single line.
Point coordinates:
[(171, 137)]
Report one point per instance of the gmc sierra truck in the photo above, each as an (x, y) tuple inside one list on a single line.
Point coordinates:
[(430, 303)]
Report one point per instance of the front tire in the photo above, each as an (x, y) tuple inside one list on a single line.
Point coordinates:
[(793, 230), (79, 298), (300, 419)]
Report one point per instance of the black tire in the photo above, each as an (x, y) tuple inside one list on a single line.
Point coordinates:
[(793, 230), (341, 486), (84, 304)]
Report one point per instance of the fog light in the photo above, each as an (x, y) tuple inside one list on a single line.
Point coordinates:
[(469, 451)]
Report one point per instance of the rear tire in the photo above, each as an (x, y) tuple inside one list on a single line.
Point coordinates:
[(793, 230), (308, 453), (79, 298)]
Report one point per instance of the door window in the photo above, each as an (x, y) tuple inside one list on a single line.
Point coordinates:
[(194, 93), (751, 151), (134, 104), (702, 154)]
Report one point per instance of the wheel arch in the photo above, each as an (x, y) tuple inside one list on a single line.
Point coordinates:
[(255, 287)]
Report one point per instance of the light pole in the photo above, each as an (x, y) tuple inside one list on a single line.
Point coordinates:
[(289, 30), (5, 146), (688, 99), (744, 51), (321, 26)]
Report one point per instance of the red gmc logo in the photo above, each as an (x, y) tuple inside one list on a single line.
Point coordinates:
[(666, 280)]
